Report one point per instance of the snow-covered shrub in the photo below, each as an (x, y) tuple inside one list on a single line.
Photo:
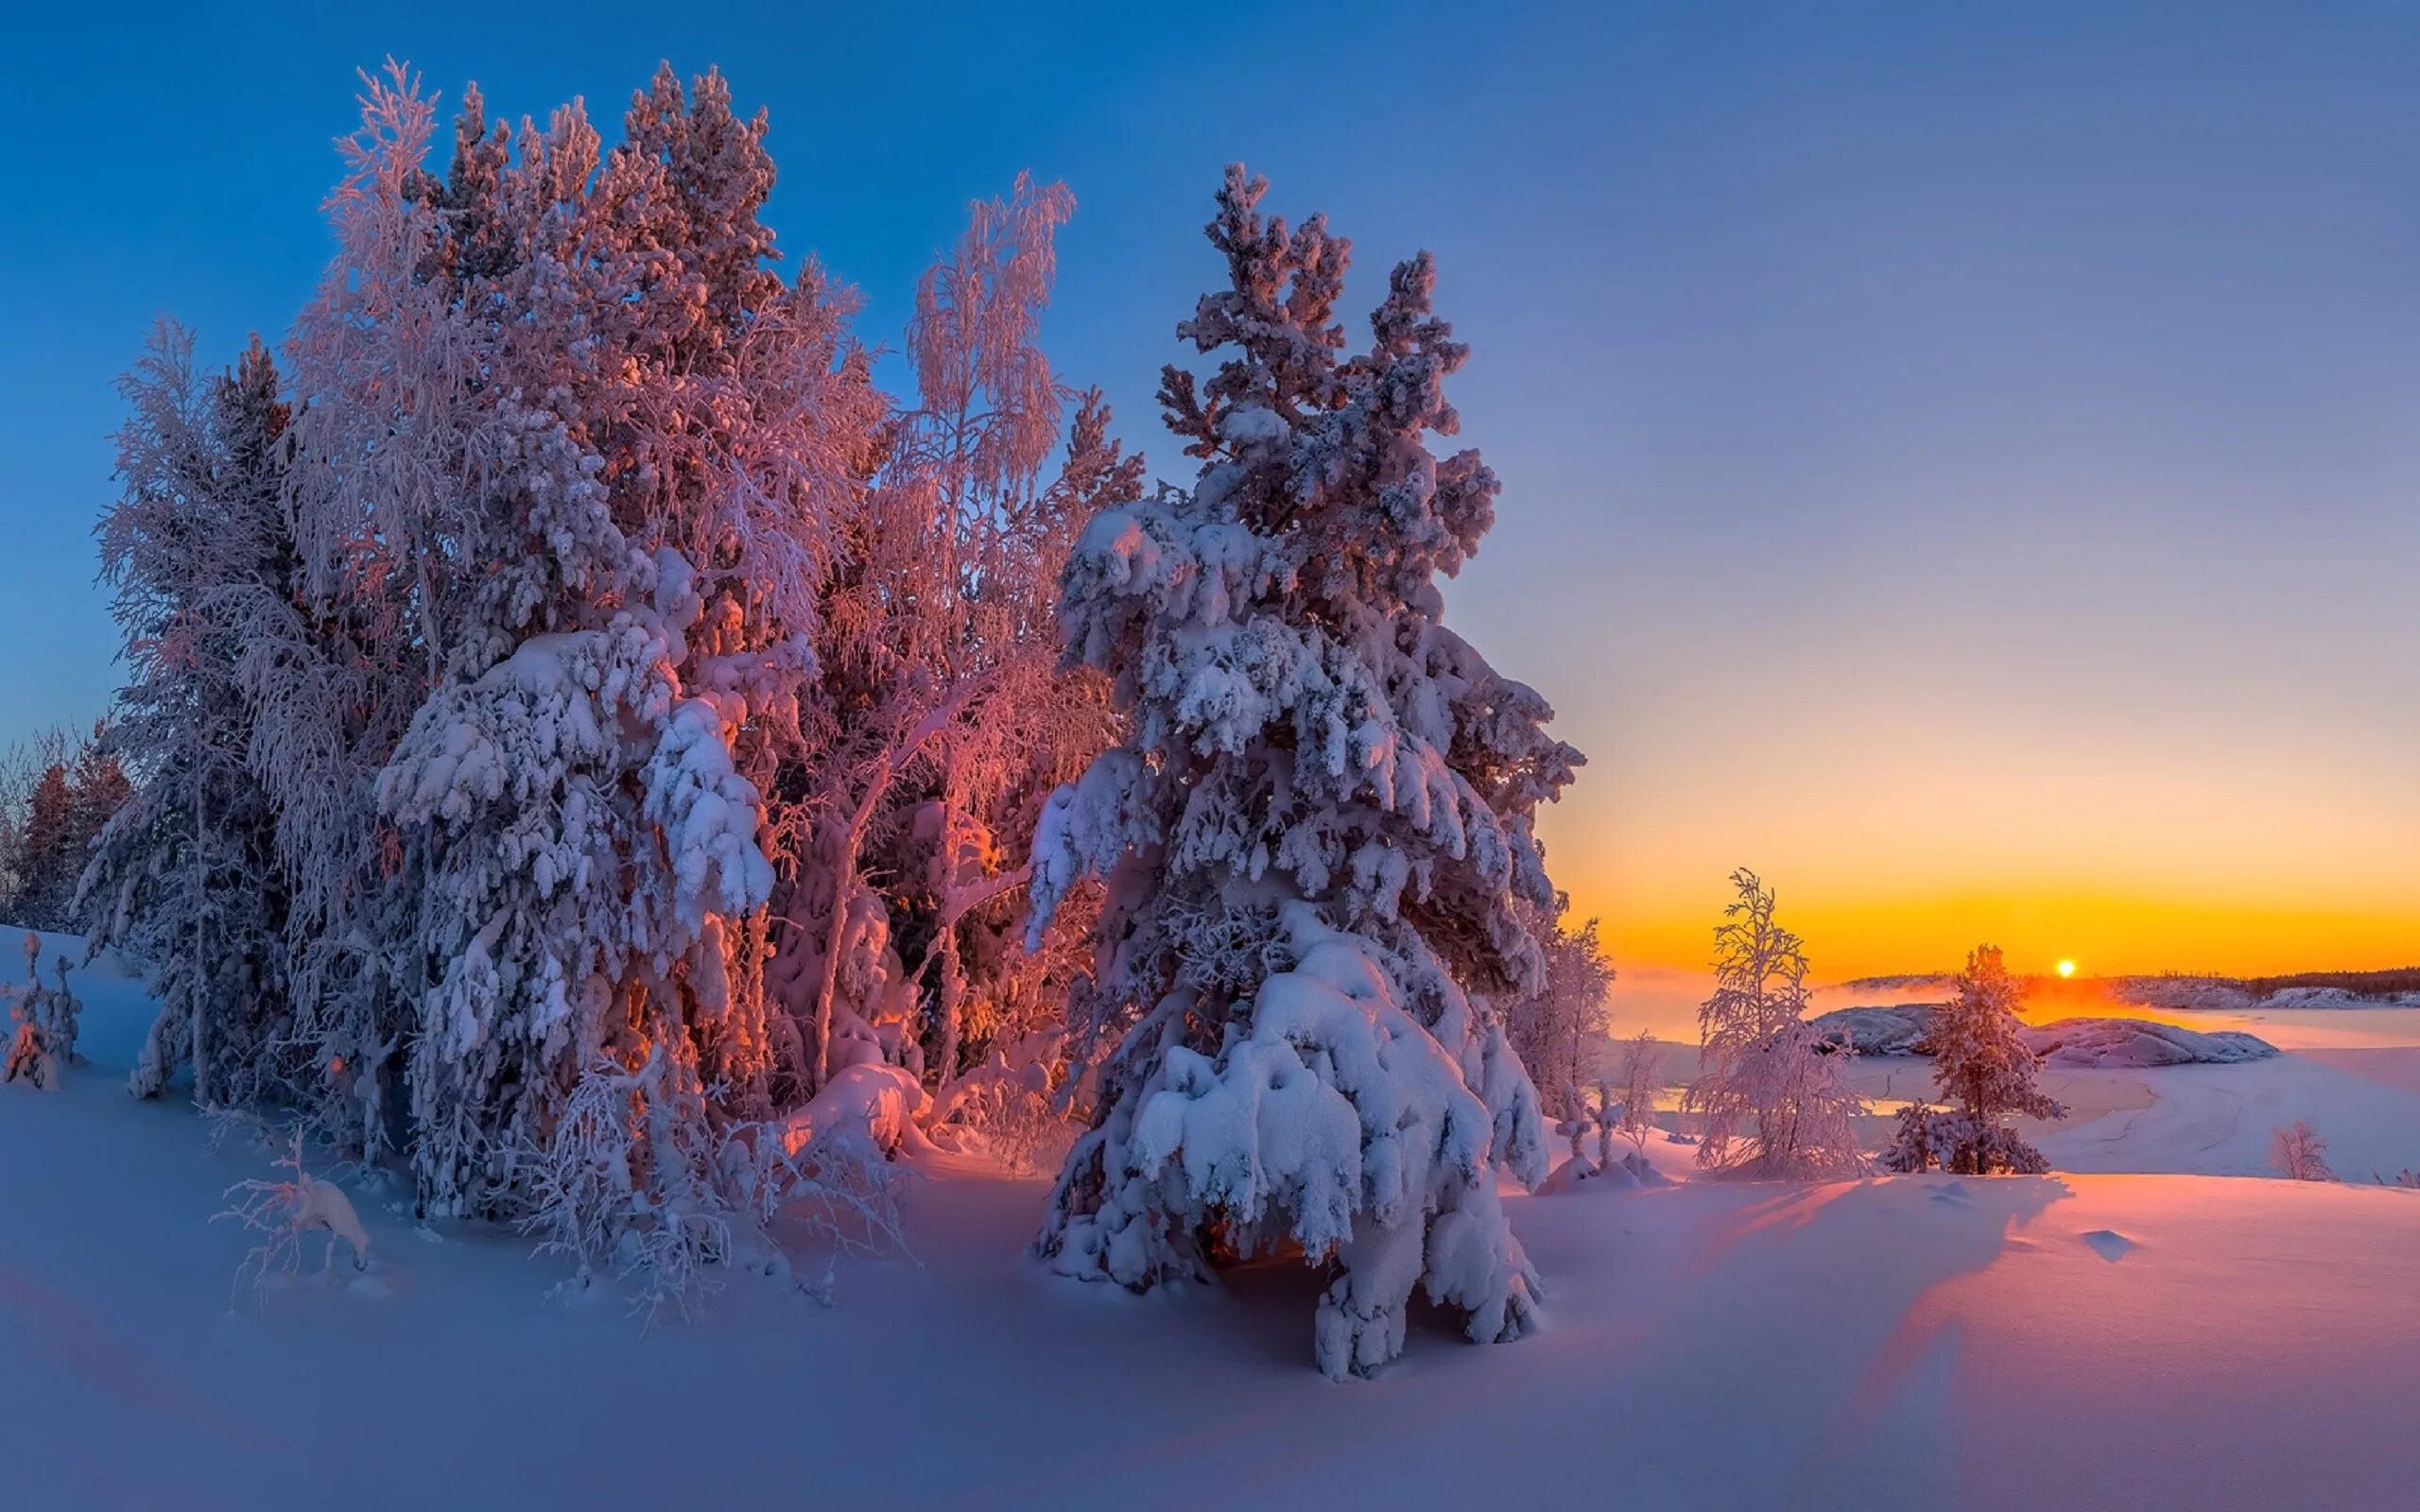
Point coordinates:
[(1605, 1117), (41, 1040), (284, 1211), (1308, 742), (1587, 1120), (882, 1105), (1979, 1058), (1929, 1139), (638, 1183), (1008, 1106), (1772, 1097), (2299, 1153), (27, 1060), (1911, 1147)]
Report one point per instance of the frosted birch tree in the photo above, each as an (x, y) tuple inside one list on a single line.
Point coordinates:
[(1560, 1032), (1769, 1099), (955, 719)]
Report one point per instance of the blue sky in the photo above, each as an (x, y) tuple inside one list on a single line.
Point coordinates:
[(1961, 459)]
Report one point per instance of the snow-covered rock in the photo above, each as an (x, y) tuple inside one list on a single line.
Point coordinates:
[(2113, 1044), (2129, 1043), (1898, 1030)]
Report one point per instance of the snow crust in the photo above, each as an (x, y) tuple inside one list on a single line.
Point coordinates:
[(1887, 1325)]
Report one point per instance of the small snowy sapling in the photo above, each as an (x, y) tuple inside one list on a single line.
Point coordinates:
[(2299, 1153), (284, 1211), (44, 1039)]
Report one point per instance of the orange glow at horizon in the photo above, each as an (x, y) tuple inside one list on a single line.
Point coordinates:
[(2246, 856), (1857, 927), (2120, 936)]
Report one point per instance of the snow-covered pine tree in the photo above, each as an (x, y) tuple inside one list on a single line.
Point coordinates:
[(186, 884), (738, 434), (1318, 837), (1770, 1100), (1981, 1060)]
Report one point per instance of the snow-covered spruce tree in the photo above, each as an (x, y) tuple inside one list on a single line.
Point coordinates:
[(47, 862), (1981, 1061), (1317, 840), (22, 768), (186, 884), (1560, 1032), (1770, 1100)]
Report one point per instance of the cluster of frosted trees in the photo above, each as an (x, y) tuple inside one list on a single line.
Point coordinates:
[(56, 791), (1773, 1096), (595, 750)]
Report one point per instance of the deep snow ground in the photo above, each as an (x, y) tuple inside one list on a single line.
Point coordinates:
[(2074, 1341)]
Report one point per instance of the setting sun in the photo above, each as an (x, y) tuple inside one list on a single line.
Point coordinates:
[(2066, 968)]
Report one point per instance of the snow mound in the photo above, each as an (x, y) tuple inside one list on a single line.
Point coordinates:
[(1580, 1173), (2108, 1244), (882, 1103)]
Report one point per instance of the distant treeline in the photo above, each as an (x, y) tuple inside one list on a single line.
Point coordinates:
[(2367, 984), (2159, 988)]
